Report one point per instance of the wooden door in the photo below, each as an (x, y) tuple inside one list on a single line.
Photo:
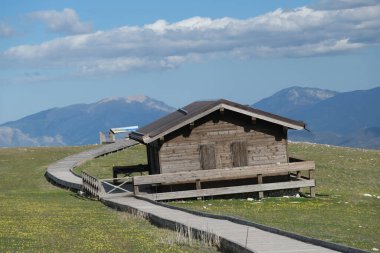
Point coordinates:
[(239, 154), (207, 157)]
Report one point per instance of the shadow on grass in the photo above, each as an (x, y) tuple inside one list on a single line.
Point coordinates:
[(82, 197)]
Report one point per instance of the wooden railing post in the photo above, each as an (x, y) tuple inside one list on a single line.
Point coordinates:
[(101, 190), (298, 175), (260, 181), (136, 190), (198, 184), (312, 189)]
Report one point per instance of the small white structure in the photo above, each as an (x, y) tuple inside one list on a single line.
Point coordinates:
[(127, 129), (116, 130)]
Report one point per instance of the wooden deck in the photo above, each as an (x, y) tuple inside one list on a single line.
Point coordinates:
[(233, 236)]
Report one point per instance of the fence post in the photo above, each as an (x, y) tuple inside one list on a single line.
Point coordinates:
[(260, 181), (312, 189), (101, 190), (136, 190)]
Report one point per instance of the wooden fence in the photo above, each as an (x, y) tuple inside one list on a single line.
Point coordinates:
[(98, 188), (293, 169), (91, 185)]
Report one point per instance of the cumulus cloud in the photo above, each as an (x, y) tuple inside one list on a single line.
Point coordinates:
[(13, 137), (301, 32), (66, 21), (5, 30)]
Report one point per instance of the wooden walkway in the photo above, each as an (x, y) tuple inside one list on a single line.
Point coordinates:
[(62, 173), (234, 237)]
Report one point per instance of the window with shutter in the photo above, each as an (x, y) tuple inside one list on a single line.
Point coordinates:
[(239, 154), (207, 157)]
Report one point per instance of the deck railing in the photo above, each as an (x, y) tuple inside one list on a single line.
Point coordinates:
[(91, 185), (97, 188), (293, 169)]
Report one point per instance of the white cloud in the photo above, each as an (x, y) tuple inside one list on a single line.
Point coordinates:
[(5, 30), (12, 137), (300, 32), (66, 21)]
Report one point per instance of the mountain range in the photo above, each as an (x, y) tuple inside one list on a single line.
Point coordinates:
[(336, 118), (80, 124), (343, 119)]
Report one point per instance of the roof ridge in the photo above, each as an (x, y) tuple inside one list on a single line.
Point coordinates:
[(199, 109)]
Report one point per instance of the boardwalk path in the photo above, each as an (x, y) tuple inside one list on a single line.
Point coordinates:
[(233, 236), (61, 172)]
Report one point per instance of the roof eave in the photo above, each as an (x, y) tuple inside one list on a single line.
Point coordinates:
[(184, 123), (137, 136), (145, 138), (263, 117)]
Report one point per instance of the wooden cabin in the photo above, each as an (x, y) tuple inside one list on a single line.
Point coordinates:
[(216, 141)]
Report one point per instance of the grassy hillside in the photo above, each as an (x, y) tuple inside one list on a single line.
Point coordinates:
[(36, 216)]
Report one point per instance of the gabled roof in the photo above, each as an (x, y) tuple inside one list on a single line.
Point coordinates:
[(199, 109)]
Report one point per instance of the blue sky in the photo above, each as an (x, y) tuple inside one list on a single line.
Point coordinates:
[(57, 53)]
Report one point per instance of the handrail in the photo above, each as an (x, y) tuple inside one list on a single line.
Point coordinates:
[(218, 175), (90, 184), (94, 187), (223, 174)]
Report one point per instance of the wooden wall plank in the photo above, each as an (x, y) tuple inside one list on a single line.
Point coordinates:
[(262, 146)]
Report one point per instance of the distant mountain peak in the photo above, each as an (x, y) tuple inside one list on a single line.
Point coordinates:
[(142, 99), (80, 123), (137, 98), (347, 118), (298, 94), (129, 99), (287, 100)]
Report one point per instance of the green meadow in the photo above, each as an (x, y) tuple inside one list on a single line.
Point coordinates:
[(345, 211), (102, 166), (36, 216)]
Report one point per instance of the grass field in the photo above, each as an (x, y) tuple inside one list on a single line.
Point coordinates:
[(341, 212), (36, 216), (102, 166)]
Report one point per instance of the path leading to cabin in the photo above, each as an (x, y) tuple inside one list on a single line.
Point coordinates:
[(236, 235), (233, 236), (61, 172)]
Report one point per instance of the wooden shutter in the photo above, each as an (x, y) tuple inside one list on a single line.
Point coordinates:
[(153, 159), (207, 157), (239, 154)]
